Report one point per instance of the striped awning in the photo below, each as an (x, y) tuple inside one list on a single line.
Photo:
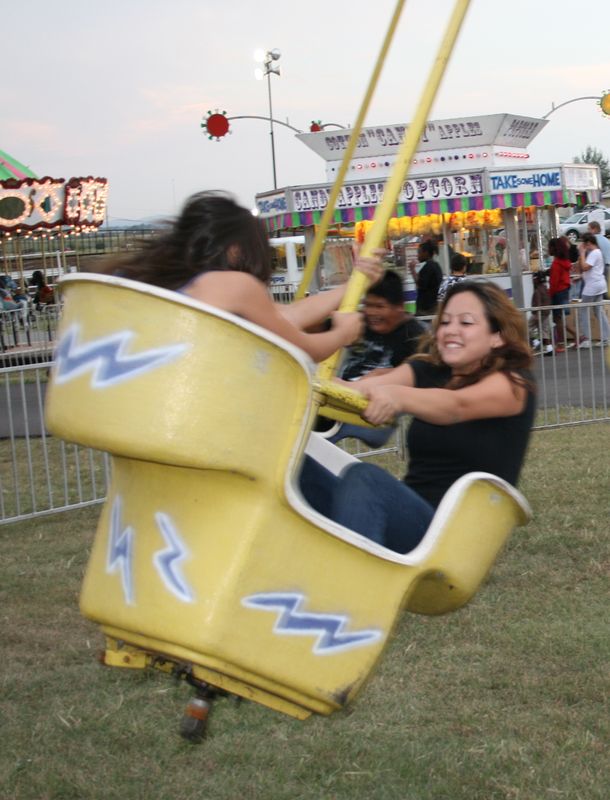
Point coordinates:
[(305, 219)]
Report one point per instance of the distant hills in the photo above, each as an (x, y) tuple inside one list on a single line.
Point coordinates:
[(146, 223)]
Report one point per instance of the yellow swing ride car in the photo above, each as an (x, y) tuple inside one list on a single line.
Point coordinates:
[(207, 562)]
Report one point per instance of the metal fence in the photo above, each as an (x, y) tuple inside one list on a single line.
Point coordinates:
[(40, 474), (27, 335), (572, 375)]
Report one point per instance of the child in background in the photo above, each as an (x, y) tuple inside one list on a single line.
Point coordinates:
[(540, 319)]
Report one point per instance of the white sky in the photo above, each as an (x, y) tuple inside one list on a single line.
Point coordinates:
[(118, 88)]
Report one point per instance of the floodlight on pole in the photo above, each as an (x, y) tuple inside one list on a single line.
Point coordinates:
[(269, 61)]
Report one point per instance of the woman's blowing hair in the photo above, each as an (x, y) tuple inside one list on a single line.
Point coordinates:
[(211, 233), (513, 357)]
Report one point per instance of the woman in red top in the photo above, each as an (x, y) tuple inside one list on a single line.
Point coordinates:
[(559, 286)]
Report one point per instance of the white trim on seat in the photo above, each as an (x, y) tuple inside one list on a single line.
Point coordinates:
[(336, 460)]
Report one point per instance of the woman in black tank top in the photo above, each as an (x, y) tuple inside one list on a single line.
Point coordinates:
[(471, 395)]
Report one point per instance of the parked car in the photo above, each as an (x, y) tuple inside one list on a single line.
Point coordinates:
[(573, 227)]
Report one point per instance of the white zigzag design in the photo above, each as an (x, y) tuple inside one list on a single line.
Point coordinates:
[(328, 628), (106, 358), (120, 551), (168, 561)]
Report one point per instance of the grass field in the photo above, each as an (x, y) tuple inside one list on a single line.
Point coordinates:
[(505, 700)]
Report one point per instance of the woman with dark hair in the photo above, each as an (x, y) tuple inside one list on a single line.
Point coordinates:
[(559, 286), (44, 294), (218, 252), (471, 396)]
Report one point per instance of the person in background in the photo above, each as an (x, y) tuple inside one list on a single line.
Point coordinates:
[(591, 265), (391, 335), (559, 287), (458, 267), (541, 319), (8, 301), (427, 279), (575, 276), (603, 244), (471, 396), (19, 297), (44, 294)]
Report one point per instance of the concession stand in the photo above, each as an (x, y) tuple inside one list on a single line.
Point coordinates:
[(471, 185)]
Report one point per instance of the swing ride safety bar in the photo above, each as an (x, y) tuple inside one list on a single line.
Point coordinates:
[(358, 283), (318, 243)]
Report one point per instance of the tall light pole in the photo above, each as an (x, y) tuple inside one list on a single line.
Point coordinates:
[(269, 61)]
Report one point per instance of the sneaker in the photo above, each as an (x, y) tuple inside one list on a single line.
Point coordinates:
[(559, 348), (584, 343), (547, 350)]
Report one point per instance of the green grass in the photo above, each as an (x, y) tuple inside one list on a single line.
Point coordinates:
[(504, 700)]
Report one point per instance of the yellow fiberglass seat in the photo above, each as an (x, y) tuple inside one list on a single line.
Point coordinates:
[(206, 555)]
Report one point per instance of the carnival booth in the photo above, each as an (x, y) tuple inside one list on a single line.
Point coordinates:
[(470, 183)]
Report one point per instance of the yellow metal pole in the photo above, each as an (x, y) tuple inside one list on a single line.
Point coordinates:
[(375, 236), (329, 211)]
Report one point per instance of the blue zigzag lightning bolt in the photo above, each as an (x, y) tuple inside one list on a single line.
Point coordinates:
[(106, 358), (168, 561), (120, 551), (328, 628)]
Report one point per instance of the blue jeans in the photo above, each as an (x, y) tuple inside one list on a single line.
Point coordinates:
[(366, 499), (585, 320)]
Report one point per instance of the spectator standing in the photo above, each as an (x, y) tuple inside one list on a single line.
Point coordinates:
[(428, 279), (575, 276), (458, 273), (541, 319), (559, 287), (594, 288), (603, 244)]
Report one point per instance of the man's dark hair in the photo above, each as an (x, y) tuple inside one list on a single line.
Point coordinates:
[(429, 248), (458, 262), (589, 238), (389, 288)]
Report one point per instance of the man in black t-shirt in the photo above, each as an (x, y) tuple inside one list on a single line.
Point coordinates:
[(428, 279), (390, 334), (390, 337)]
